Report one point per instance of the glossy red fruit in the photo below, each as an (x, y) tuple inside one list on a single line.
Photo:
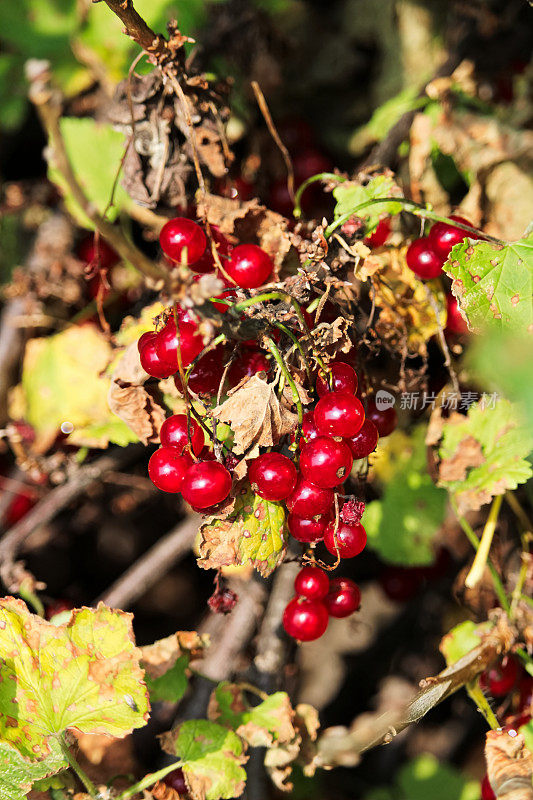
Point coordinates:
[(487, 792), (250, 362), (305, 620), (343, 598), (175, 433), (380, 235), (325, 461), (311, 583), (308, 162), (443, 237), (309, 430), (100, 254), (351, 539), (273, 476), (205, 376), (423, 260), (454, 321), (227, 294), (339, 414), (176, 781), (343, 379), (249, 266), (167, 469), (206, 263), (150, 359), (305, 529), (190, 341), (500, 679), (365, 441), (206, 484), (182, 238), (385, 419), (309, 500)]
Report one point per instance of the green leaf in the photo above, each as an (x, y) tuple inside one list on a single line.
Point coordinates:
[(17, 773), (253, 533), (350, 195), (172, 685), (211, 758), (83, 675), (426, 778), (63, 381), (401, 525), (262, 725), (484, 454), (494, 283), (95, 152), (462, 639)]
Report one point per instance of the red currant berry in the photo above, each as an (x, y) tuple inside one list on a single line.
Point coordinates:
[(487, 792), (343, 598), (181, 237), (206, 262), (310, 162), (309, 500), (307, 530), (351, 539), (339, 414), (343, 379), (206, 484), (149, 357), (167, 469), (249, 266), (501, 678), (311, 583), (454, 321), (305, 620), (273, 476), (442, 237), (423, 260), (309, 431), (385, 419), (174, 434), (100, 254), (365, 441), (380, 235), (190, 342), (205, 376), (325, 462), (176, 781), (250, 363)]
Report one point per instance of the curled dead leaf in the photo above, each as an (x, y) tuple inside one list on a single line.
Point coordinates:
[(159, 657), (509, 765)]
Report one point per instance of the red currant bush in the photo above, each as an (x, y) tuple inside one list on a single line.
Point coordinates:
[(182, 238), (311, 583), (339, 414), (305, 529), (442, 237), (423, 260), (343, 598), (206, 484), (308, 500), (350, 539), (305, 620), (272, 476), (343, 379), (364, 442), (175, 433), (325, 461), (249, 266), (167, 469)]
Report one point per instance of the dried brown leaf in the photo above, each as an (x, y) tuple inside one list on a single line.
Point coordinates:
[(509, 765), (159, 657), (469, 454)]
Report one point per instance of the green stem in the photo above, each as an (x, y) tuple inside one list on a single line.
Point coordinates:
[(30, 598), (474, 541), (321, 176), (148, 780), (82, 775), (413, 208), (288, 377), (482, 703), (297, 344), (478, 567)]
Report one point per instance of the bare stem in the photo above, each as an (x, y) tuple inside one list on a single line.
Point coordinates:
[(148, 780), (482, 554), (82, 775)]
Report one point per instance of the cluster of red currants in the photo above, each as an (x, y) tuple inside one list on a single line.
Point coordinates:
[(427, 255), (317, 599)]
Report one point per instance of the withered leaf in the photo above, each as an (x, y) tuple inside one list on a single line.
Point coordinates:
[(509, 765), (159, 657)]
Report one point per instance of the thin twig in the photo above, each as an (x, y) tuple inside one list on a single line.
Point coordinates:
[(262, 103)]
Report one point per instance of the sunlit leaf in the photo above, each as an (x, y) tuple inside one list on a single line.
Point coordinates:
[(18, 772)]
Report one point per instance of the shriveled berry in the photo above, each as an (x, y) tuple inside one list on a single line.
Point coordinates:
[(343, 598), (305, 620), (305, 529), (175, 432), (500, 679), (423, 260), (206, 484), (325, 461), (350, 539), (312, 583), (442, 236), (380, 235), (272, 476), (385, 419), (249, 266), (365, 441), (309, 500), (343, 379), (339, 414), (250, 362), (167, 469), (182, 238)]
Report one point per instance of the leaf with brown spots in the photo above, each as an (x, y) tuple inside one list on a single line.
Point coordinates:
[(83, 675), (264, 725), (166, 662)]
